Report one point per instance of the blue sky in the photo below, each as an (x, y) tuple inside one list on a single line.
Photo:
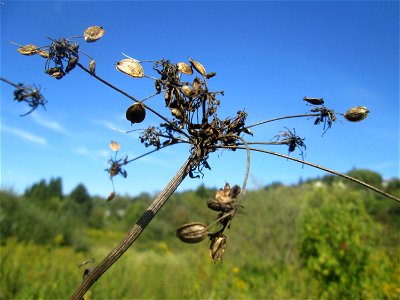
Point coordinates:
[(267, 55)]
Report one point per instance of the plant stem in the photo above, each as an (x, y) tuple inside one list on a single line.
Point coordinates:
[(134, 232), (318, 167), (282, 118)]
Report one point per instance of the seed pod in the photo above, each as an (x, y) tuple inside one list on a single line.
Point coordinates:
[(314, 101), (56, 72), (29, 49), (157, 84), (198, 67), (219, 206), (114, 146), (235, 191), (71, 64), (186, 89), (74, 48), (131, 67), (210, 75), (217, 247), (92, 66), (93, 33), (196, 84), (356, 114), (177, 113), (192, 232), (184, 68), (44, 54), (136, 113), (111, 196)]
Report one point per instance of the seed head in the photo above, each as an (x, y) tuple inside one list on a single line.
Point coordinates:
[(93, 33), (192, 232), (136, 113), (356, 114), (131, 67)]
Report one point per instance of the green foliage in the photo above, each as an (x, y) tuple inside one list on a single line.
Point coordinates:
[(304, 241), (337, 244)]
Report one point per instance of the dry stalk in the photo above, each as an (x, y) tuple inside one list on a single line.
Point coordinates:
[(134, 232)]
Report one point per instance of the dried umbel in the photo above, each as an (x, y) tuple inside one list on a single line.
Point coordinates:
[(28, 50), (136, 113), (131, 67), (198, 67), (192, 232), (356, 114), (217, 247), (93, 33)]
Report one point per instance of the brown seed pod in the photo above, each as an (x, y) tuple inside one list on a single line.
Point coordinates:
[(93, 33), (29, 49), (177, 113), (235, 191), (111, 196), (192, 232), (314, 101), (44, 54), (114, 146), (131, 67), (356, 114), (196, 84), (198, 67), (217, 247), (136, 113), (186, 89), (184, 68), (92, 66), (56, 72), (210, 75), (219, 206), (71, 64)]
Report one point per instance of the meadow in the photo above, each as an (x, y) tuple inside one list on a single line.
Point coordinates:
[(320, 239)]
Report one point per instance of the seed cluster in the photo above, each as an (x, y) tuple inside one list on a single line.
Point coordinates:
[(62, 55), (226, 202)]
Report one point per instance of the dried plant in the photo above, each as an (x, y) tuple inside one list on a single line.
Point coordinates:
[(192, 118)]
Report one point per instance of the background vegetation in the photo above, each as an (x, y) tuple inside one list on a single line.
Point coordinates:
[(322, 239)]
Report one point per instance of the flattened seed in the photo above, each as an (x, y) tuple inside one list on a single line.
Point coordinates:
[(130, 67)]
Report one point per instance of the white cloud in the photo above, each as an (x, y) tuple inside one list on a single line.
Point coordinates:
[(24, 135), (52, 125)]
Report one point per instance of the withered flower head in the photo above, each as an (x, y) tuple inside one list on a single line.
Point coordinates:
[(136, 113), (93, 33), (217, 247), (356, 114), (192, 232), (28, 50), (131, 67), (198, 67)]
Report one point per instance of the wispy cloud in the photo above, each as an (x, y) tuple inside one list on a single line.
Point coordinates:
[(83, 151), (80, 151), (24, 135), (50, 124)]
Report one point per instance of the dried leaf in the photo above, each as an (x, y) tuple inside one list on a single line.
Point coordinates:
[(93, 33), (131, 67)]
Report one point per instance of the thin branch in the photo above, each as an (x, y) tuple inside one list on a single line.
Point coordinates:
[(319, 167), (132, 98), (282, 118), (11, 83), (134, 232)]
